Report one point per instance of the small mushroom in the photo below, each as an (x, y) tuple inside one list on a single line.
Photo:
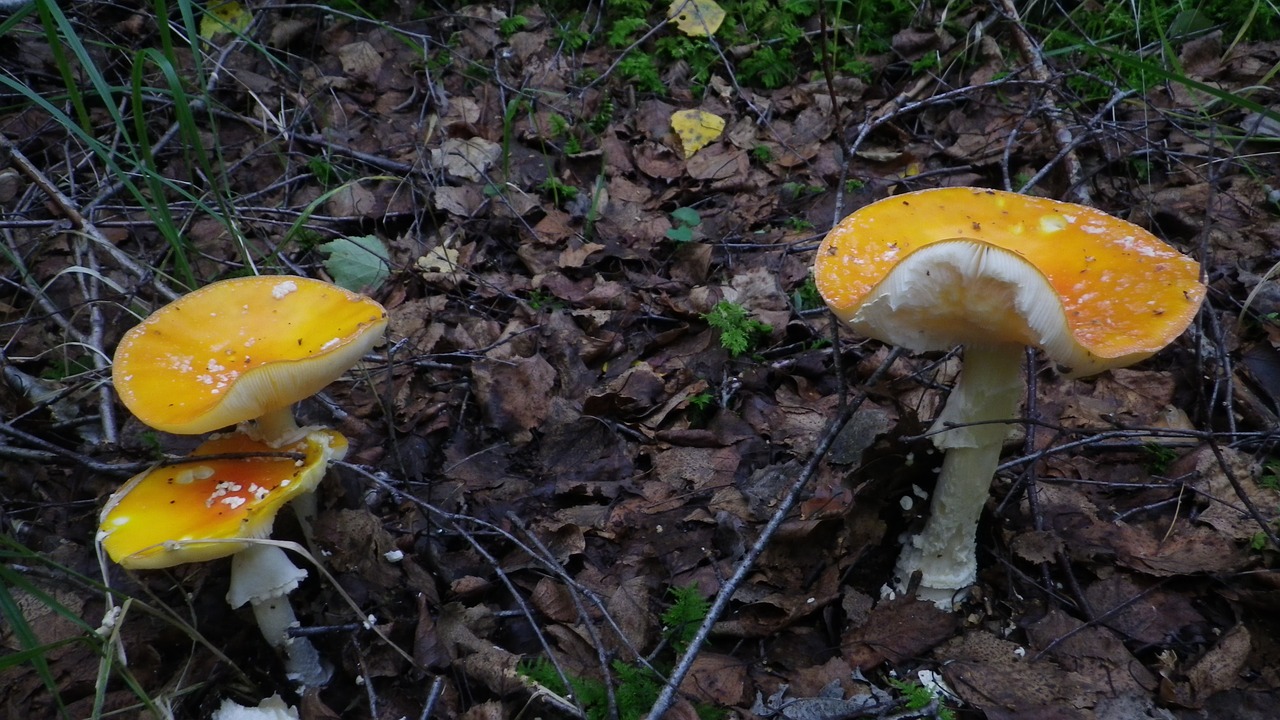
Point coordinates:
[(215, 503), (272, 708), (995, 272), (241, 350)]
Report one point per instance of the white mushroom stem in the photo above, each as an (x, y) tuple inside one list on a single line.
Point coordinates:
[(277, 427), (988, 389), (263, 576)]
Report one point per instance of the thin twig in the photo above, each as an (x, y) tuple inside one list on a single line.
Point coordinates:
[(84, 460), (80, 222), (1061, 133), (721, 603), (601, 654)]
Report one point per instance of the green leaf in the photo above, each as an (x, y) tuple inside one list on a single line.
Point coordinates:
[(686, 216), (357, 263), (682, 234)]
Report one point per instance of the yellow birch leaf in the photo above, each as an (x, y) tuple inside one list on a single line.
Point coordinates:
[(696, 128), (224, 17), (696, 18)]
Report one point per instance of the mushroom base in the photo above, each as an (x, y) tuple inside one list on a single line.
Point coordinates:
[(263, 576), (944, 553)]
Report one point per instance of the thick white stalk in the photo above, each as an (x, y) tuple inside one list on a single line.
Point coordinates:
[(263, 576), (989, 388), (277, 428)]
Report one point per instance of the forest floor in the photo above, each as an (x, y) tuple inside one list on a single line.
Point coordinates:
[(562, 453)]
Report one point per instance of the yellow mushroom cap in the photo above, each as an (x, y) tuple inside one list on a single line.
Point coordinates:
[(159, 518), (237, 349), (1000, 268)]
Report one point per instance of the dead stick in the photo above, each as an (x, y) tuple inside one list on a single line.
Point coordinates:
[(80, 222), (730, 586), (1061, 133)]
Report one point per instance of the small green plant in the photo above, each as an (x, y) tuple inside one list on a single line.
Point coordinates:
[(557, 190), (540, 300), (599, 122), (635, 686), (702, 401), (739, 332), (326, 174), (701, 407), (796, 189), (589, 693), (65, 367), (573, 37), (639, 68), (852, 185), (919, 697), (762, 154), (512, 25), (151, 441), (1142, 167), (771, 66), (1158, 457), (928, 61), (1259, 541), (1270, 475), (680, 622), (806, 296), (857, 68), (683, 221), (558, 125), (623, 31), (795, 222)]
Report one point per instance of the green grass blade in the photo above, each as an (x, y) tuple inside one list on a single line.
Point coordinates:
[(26, 637)]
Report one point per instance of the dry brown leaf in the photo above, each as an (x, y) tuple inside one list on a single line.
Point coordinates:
[(997, 677), (553, 600), (896, 630), (462, 201), (717, 679), (1226, 512), (575, 256), (1105, 666), (467, 159), (360, 61), (629, 606), (697, 468), (1216, 671), (1135, 610), (718, 163)]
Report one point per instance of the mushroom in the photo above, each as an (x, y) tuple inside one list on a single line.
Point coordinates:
[(995, 272), (238, 351), (272, 708), (217, 502)]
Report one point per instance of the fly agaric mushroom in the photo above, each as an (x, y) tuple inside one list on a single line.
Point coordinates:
[(243, 349), (995, 272), (217, 502), (233, 352)]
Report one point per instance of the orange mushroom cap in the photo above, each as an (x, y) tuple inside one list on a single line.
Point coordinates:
[(1121, 293), (159, 518), (237, 349)]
